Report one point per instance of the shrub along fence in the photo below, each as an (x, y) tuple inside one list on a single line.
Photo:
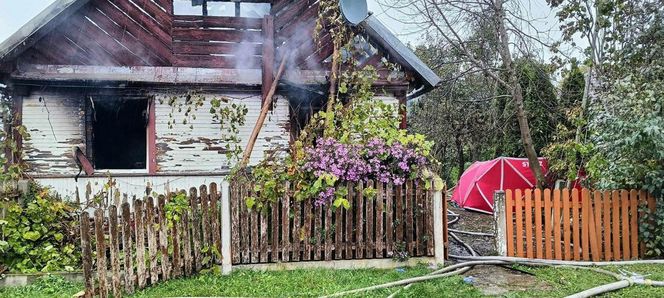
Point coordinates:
[(153, 240), (570, 225)]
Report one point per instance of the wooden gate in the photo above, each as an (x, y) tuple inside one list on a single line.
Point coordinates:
[(571, 225)]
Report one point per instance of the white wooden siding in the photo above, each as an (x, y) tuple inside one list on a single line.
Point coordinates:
[(132, 186), (195, 146), (56, 124)]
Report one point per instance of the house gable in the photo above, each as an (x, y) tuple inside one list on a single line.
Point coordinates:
[(137, 33)]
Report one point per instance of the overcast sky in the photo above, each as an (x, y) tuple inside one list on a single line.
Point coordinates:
[(15, 13)]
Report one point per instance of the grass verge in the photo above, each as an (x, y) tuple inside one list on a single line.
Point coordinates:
[(312, 283)]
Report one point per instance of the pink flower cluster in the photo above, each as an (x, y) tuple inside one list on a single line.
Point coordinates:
[(376, 159)]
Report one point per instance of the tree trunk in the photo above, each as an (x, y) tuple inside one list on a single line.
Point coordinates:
[(526, 138), (517, 94), (460, 158)]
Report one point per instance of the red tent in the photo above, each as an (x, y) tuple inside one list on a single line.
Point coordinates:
[(478, 183)]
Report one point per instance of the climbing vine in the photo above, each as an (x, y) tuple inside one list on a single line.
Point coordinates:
[(11, 170), (355, 138), (229, 114)]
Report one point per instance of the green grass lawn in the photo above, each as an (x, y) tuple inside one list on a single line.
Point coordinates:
[(309, 283)]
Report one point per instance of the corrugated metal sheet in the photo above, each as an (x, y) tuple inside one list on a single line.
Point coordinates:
[(56, 122), (183, 148)]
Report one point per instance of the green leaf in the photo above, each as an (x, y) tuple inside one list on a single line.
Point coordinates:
[(32, 235), (251, 201), (58, 236)]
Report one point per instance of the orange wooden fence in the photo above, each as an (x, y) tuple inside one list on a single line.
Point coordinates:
[(574, 225)]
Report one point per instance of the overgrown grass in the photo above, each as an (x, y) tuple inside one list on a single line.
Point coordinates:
[(311, 283), (46, 287), (307, 283)]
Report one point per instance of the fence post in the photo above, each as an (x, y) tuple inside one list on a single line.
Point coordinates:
[(438, 228), (500, 222), (226, 261)]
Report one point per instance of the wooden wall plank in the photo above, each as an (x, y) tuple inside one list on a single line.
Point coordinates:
[(557, 225), (217, 22), (263, 236)]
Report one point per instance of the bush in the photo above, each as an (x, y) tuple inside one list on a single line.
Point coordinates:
[(40, 234)]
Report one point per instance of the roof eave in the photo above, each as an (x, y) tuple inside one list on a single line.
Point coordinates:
[(38, 27), (386, 40)]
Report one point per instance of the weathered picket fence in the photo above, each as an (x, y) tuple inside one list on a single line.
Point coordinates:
[(136, 247), (570, 225), (398, 220)]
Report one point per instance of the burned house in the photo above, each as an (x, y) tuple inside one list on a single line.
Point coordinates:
[(94, 82)]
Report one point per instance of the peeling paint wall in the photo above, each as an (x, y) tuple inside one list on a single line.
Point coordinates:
[(196, 146), (132, 186), (56, 123)]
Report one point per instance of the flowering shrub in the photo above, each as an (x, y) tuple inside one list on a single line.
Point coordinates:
[(333, 161)]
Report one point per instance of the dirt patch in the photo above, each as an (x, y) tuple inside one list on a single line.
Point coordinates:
[(496, 281), (472, 222)]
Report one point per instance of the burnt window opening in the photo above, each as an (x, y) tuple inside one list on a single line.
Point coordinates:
[(221, 8), (119, 133)]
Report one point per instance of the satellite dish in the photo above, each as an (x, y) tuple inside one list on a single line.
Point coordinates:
[(354, 11)]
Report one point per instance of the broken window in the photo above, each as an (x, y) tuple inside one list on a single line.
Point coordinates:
[(118, 133), (221, 8)]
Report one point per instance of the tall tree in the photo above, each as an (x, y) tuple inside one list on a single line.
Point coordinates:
[(450, 19)]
